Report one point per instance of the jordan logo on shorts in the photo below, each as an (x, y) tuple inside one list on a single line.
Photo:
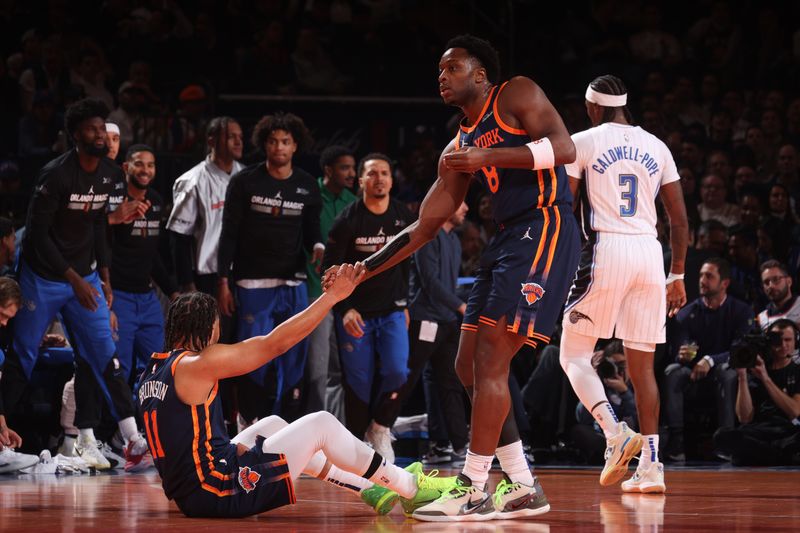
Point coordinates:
[(527, 235), (247, 478), (533, 292)]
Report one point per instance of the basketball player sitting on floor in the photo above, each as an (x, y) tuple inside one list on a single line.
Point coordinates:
[(207, 474)]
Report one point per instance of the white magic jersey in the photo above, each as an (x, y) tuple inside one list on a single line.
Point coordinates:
[(624, 168), (199, 198)]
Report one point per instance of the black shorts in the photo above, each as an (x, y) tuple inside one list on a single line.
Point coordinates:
[(257, 482), (525, 273)]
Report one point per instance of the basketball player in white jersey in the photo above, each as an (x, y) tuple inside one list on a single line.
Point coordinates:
[(620, 169)]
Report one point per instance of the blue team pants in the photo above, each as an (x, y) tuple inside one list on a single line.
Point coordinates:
[(259, 311)]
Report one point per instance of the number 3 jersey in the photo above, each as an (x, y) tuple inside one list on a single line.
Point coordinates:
[(622, 168), (516, 192)]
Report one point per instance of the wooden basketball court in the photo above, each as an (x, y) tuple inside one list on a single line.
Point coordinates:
[(718, 500)]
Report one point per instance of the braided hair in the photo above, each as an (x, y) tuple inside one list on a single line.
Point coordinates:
[(218, 131), (190, 321), (612, 85)]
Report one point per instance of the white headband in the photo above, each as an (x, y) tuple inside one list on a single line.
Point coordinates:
[(606, 100), (112, 128)]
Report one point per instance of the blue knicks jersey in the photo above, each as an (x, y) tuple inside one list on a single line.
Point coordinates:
[(515, 191), (189, 443)]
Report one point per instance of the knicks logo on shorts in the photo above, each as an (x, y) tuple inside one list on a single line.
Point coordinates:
[(533, 292), (247, 478)]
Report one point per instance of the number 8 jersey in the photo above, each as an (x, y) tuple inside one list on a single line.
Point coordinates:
[(515, 191), (622, 168)]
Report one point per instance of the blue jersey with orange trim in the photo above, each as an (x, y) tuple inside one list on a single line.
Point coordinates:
[(189, 443), (515, 191)]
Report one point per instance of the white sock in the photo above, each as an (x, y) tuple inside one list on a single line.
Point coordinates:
[(576, 360), (476, 468), (395, 478), (127, 426), (346, 480), (69, 445), (86, 434), (606, 418), (514, 464), (320, 468), (649, 451)]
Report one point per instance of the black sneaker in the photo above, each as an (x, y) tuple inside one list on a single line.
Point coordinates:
[(437, 455)]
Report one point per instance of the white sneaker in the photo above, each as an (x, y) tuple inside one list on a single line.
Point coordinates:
[(88, 450), (46, 464), (381, 440), (517, 500), (70, 465), (11, 461), (648, 480), (462, 503), (116, 460), (620, 449)]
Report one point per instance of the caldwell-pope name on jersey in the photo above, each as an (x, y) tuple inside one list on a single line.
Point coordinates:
[(152, 389), (276, 205), (619, 153)]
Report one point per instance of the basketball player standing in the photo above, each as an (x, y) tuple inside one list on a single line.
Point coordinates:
[(620, 168), (513, 140)]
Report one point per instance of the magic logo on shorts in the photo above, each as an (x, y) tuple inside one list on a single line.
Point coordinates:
[(533, 292), (247, 478)]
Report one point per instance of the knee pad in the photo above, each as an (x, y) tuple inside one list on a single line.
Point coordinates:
[(575, 347), (640, 346)]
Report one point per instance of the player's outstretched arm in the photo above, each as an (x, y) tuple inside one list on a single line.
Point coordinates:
[(228, 360), (672, 197), (441, 202), (523, 105)]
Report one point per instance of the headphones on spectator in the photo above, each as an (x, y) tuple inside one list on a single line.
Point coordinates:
[(783, 323)]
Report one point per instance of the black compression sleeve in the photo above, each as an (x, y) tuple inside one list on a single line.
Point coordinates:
[(384, 254)]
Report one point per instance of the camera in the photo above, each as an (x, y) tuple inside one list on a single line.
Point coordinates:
[(606, 369), (745, 349)]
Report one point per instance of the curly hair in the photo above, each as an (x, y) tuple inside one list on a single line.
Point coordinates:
[(282, 121), (480, 49), (218, 131), (609, 84), (84, 110), (190, 321)]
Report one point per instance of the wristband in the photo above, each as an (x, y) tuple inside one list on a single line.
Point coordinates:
[(674, 277), (543, 156)]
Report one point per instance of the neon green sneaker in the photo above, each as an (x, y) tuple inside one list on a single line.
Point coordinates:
[(380, 498), (429, 488)]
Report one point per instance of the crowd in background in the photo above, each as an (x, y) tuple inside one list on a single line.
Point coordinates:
[(716, 89)]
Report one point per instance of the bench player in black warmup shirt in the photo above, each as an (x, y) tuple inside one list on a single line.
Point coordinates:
[(136, 264), (271, 217), (209, 475), (64, 257), (371, 325), (512, 140)]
